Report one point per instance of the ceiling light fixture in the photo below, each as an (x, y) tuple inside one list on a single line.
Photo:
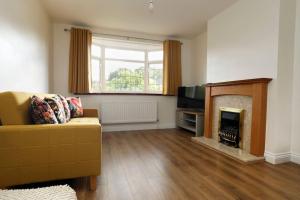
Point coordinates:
[(151, 5)]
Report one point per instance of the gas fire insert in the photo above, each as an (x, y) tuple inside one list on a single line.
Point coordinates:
[(230, 126)]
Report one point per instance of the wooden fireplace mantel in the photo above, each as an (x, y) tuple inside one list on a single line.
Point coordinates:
[(255, 88)]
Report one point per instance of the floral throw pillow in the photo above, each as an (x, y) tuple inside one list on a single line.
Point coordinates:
[(75, 107), (66, 107), (41, 112), (57, 107)]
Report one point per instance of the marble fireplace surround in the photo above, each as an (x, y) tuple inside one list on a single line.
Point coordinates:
[(254, 88)]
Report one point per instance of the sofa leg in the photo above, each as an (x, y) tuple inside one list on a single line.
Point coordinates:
[(93, 183)]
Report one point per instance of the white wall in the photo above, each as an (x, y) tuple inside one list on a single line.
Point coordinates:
[(167, 105), (279, 118), (199, 58), (243, 40), (255, 39), (295, 139), (25, 34)]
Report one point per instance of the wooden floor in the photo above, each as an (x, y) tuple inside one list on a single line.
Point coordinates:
[(165, 164)]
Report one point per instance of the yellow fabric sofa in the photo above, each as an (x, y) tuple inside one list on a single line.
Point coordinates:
[(34, 153)]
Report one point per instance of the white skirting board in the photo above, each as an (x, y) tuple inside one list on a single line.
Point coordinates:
[(135, 127), (278, 158), (295, 158)]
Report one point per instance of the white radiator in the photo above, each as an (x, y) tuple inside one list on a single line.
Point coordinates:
[(120, 112)]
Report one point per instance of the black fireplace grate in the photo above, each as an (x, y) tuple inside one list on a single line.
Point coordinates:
[(230, 136), (229, 130)]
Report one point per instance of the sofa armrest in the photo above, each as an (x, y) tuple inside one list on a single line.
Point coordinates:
[(22, 137), (15, 136), (90, 113), (52, 151), (45, 127)]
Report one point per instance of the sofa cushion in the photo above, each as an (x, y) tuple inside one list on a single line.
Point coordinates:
[(66, 107), (57, 107), (75, 107), (84, 121), (41, 112)]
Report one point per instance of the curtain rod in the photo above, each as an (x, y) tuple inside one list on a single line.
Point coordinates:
[(124, 36)]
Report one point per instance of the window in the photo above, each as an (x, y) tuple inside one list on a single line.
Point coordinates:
[(126, 66)]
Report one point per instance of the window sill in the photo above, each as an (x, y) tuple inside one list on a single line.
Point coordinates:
[(133, 94)]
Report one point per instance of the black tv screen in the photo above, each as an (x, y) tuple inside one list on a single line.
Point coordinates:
[(191, 97)]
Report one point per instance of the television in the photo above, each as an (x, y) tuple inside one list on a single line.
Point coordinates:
[(191, 97)]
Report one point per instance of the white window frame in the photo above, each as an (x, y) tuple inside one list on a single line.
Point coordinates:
[(146, 63)]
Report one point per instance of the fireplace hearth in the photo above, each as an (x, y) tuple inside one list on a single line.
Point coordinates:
[(230, 126)]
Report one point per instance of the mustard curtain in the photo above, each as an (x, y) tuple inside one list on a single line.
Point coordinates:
[(172, 67), (79, 60)]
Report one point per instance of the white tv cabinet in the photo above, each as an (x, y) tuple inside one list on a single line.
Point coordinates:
[(190, 120)]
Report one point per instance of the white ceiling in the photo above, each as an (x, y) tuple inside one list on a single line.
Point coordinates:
[(181, 18)]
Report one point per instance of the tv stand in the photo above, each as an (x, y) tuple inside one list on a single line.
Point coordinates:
[(192, 120)]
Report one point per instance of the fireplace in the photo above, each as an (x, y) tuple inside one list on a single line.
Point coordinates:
[(251, 96), (230, 126)]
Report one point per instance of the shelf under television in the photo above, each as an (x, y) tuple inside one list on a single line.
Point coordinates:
[(190, 128), (190, 120)]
